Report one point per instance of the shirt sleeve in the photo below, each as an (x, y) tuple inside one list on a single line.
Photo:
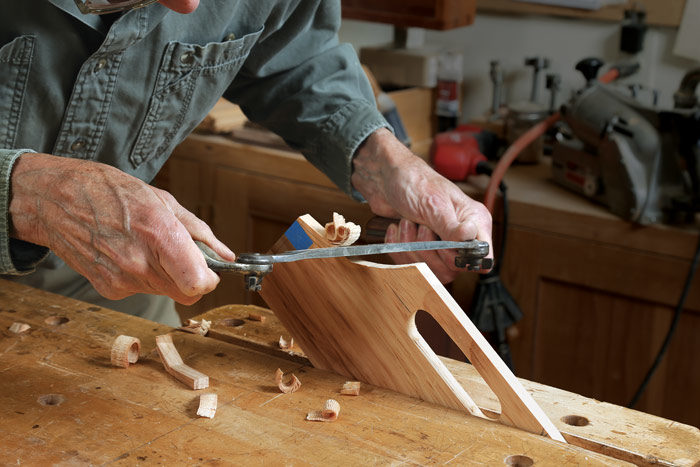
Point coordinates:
[(17, 257), (301, 83)]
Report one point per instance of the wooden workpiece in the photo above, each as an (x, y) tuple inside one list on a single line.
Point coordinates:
[(365, 329), (62, 402)]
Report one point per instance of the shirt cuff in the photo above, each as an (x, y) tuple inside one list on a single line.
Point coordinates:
[(17, 257), (347, 129)]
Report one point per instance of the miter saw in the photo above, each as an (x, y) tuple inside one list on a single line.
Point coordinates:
[(639, 161)]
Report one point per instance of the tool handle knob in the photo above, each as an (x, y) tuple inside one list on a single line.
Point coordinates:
[(589, 67)]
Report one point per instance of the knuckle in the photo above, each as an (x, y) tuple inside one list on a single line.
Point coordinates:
[(202, 283), (111, 291), (187, 300)]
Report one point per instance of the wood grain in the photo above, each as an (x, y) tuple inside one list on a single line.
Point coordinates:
[(175, 366), (104, 417), (357, 319)]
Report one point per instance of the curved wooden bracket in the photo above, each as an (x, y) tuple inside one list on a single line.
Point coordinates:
[(357, 319)]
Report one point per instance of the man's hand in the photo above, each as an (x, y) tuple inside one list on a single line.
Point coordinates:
[(397, 183), (123, 235)]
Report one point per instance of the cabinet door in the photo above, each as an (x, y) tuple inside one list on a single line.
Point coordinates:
[(595, 316)]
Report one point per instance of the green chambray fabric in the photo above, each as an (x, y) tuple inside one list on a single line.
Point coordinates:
[(126, 89), (24, 256)]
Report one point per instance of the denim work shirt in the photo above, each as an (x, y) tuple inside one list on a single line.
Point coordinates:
[(126, 89)]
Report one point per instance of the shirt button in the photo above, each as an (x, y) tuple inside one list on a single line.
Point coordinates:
[(77, 145), (230, 37), (100, 64), (187, 58)]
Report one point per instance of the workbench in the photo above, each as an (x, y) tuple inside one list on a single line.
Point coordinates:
[(63, 403)]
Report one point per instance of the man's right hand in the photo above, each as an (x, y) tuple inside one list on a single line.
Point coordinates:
[(122, 234)]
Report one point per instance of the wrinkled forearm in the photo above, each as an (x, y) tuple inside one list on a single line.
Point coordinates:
[(380, 161)]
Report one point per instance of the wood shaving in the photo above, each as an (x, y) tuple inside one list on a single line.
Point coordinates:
[(342, 233), (207, 405), (293, 385), (256, 317), (176, 367), (125, 350), (284, 344), (351, 388), (196, 327), (330, 412), (19, 328)]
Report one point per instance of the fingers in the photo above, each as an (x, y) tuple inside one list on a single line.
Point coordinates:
[(407, 231), (197, 228), (124, 236), (184, 263), (459, 219), (182, 260)]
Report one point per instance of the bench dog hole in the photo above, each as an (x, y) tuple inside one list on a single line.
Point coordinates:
[(51, 399), (575, 420), (518, 461), (232, 322), (56, 320)]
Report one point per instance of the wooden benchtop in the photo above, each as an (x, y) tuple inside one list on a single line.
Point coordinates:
[(62, 402)]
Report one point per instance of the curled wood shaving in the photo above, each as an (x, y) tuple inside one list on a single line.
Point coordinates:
[(351, 388), (19, 328), (125, 350), (176, 367), (292, 386), (207, 405), (284, 344), (330, 412), (256, 317), (340, 232), (196, 327)]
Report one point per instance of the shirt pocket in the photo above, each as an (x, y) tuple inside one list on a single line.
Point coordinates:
[(15, 62), (190, 80)]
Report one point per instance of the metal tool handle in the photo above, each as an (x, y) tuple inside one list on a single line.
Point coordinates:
[(470, 254), (218, 264), (252, 273)]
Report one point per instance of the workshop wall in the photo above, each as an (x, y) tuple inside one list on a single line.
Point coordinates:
[(564, 41)]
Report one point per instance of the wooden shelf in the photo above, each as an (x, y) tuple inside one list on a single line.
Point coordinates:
[(429, 14), (659, 12)]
